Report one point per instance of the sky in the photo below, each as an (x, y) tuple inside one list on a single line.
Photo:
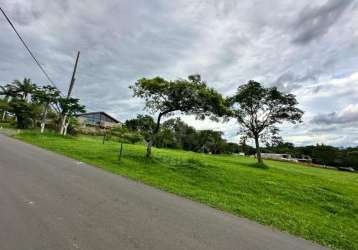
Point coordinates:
[(308, 48)]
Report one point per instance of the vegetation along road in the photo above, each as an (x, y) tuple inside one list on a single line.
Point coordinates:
[(51, 202)]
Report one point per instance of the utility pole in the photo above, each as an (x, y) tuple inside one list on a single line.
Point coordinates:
[(63, 128), (73, 76)]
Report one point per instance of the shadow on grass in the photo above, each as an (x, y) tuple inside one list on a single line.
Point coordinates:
[(257, 165)]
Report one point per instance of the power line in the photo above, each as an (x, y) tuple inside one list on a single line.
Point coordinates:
[(27, 48)]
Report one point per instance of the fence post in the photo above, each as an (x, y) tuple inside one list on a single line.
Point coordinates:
[(120, 152)]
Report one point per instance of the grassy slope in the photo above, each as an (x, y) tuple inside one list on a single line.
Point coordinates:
[(317, 204)]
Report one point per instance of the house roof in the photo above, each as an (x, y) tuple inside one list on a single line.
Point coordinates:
[(100, 112)]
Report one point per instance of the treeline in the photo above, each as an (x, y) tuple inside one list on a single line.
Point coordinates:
[(321, 154), (174, 133), (256, 109), (29, 105)]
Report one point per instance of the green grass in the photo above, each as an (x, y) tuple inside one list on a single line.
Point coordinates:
[(317, 204)]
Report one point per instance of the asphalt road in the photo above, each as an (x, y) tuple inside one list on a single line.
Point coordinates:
[(51, 202)]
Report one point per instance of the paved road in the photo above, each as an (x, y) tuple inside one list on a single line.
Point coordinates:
[(48, 201)]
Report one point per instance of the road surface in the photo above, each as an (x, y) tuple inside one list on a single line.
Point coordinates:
[(51, 202)]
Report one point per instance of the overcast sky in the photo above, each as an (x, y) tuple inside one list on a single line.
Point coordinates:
[(309, 48)]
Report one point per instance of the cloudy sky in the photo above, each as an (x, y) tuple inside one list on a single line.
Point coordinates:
[(309, 48)]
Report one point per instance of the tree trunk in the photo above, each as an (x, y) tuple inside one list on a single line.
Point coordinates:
[(156, 130), (63, 123), (258, 151), (7, 100), (65, 128), (43, 122)]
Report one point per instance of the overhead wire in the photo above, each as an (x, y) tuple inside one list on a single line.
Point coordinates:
[(28, 49)]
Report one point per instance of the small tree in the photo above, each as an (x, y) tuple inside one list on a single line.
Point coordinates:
[(46, 96), (259, 109), (9, 91), (4, 106), (190, 96), (210, 141), (69, 108), (24, 88), (144, 124), (24, 112)]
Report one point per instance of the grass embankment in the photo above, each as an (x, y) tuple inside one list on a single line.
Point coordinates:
[(317, 204)]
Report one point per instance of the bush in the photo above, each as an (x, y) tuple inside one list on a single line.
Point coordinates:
[(73, 126)]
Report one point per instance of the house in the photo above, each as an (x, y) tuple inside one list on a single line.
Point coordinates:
[(285, 157), (305, 159), (100, 119)]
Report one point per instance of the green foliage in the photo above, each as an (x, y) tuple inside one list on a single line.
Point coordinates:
[(73, 126), (210, 141), (174, 133), (320, 154), (191, 97), (317, 204), (4, 107), (24, 112), (259, 109), (7, 91), (70, 106), (30, 103), (46, 95), (352, 159), (23, 89), (124, 135), (144, 124)]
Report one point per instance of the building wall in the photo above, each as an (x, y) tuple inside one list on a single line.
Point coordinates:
[(276, 156), (97, 119)]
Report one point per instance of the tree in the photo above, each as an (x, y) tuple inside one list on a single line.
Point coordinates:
[(17, 97), (24, 88), (191, 97), (69, 108), (24, 112), (8, 91), (46, 96), (352, 159), (210, 141), (326, 155), (258, 109), (144, 124), (182, 133), (4, 106), (165, 138)]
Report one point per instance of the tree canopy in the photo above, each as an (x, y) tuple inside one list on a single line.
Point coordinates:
[(187, 96), (27, 103), (258, 110), (45, 96)]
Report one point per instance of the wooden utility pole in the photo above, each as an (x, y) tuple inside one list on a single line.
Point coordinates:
[(63, 128), (73, 76)]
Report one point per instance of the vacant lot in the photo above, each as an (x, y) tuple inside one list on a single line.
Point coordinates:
[(317, 204)]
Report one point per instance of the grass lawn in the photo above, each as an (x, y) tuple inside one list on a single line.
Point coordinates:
[(317, 204)]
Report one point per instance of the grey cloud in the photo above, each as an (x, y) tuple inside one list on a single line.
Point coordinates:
[(348, 115), (324, 129), (289, 81), (313, 22)]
